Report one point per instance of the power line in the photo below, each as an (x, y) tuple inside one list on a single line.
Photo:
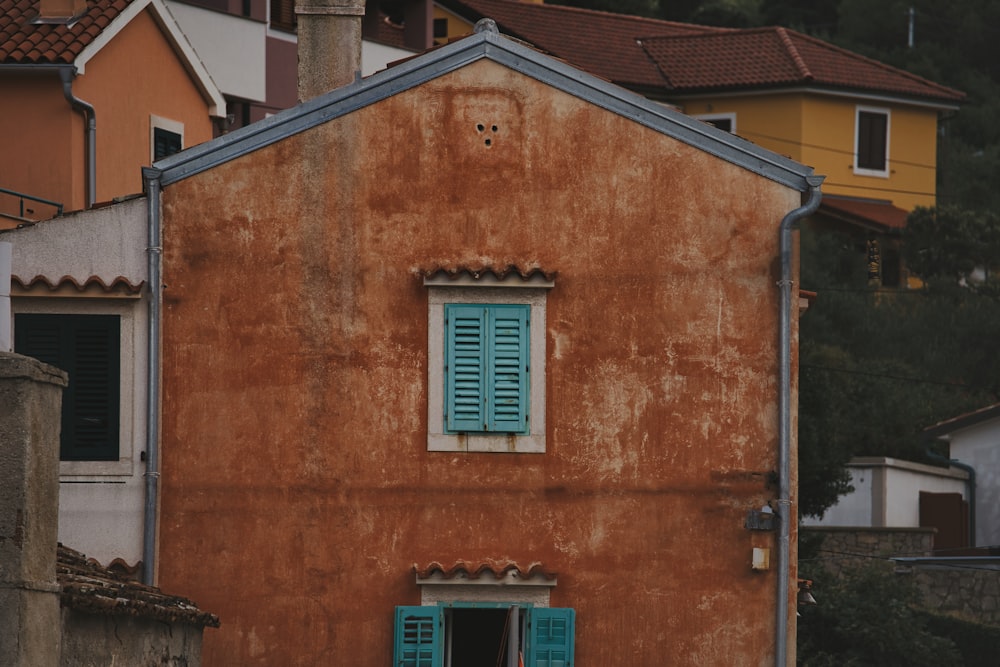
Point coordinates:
[(831, 149), (890, 376)]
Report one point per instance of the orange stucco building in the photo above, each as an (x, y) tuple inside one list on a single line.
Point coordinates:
[(480, 338), (86, 97)]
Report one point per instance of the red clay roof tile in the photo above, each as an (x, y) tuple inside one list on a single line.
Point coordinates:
[(777, 57), (476, 271), (483, 569), (877, 212), (89, 587), (601, 43), (24, 42), (119, 284), (638, 52)]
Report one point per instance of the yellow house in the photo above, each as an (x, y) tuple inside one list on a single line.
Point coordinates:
[(90, 92), (870, 128)]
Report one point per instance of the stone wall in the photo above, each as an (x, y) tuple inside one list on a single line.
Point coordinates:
[(960, 590), (100, 639), (956, 587)]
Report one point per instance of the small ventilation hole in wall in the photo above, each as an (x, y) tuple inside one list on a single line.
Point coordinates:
[(480, 128)]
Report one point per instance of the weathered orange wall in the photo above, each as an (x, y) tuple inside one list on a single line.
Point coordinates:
[(43, 138), (297, 491), (41, 151)]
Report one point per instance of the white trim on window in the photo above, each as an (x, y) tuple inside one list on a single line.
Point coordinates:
[(499, 292), (131, 388), (710, 118), (158, 122), (858, 110)]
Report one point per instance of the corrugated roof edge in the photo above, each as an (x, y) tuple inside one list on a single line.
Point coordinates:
[(492, 46)]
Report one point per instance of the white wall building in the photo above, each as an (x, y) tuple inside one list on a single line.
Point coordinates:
[(78, 299), (974, 440), (887, 493)]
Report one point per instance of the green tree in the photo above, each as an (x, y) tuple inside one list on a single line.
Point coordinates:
[(878, 366), (869, 617)]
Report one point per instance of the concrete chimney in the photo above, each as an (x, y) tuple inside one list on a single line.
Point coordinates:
[(329, 44), (30, 408), (60, 10)]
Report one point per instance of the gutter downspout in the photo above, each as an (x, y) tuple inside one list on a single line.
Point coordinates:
[(66, 75), (153, 257), (784, 509)]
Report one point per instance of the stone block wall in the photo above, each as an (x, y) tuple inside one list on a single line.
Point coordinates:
[(955, 587)]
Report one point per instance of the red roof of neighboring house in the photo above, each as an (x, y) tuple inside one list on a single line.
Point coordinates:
[(24, 42), (769, 57), (639, 52), (601, 43), (964, 421), (877, 213)]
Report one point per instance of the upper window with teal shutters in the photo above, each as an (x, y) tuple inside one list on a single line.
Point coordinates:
[(486, 368), (486, 365)]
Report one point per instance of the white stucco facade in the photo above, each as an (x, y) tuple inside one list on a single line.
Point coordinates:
[(82, 264), (974, 440), (887, 493)]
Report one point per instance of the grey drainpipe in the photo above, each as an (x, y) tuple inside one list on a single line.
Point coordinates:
[(153, 251), (785, 418), (66, 74)]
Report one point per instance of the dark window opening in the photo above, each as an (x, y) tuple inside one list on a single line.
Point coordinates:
[(283, 15), (725, 124), (479, 637), (872, 140), (440, 28), (87, 347), (165, 143)]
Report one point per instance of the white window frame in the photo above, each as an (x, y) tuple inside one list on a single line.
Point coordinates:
[(730, 116), (131, 390), (487, 290), (858, 110), (158, 122)]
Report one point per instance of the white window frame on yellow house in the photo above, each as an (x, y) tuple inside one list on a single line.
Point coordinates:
[(881, 111), (712, 118)]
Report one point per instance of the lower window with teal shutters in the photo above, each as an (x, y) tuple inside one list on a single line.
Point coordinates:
[(473, 634)]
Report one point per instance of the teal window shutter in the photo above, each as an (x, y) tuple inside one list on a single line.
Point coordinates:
[(486, 368), (550, 637), (507, 379), (465, 367), (87, 347), (419, 637)]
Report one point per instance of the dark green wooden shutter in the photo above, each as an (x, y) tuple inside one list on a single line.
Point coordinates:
[(419, 637), (550, 637), (872, 140), (165, 143), (87, 347)]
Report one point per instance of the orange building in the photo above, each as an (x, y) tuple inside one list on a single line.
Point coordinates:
[(480, 356), (90, 92)]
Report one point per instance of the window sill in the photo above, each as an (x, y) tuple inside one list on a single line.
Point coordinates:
[(477, 442)]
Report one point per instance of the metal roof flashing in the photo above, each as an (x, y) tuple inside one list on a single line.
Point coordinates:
[(490, 45)]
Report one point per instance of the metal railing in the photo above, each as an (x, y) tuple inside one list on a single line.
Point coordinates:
[(22, 198)]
